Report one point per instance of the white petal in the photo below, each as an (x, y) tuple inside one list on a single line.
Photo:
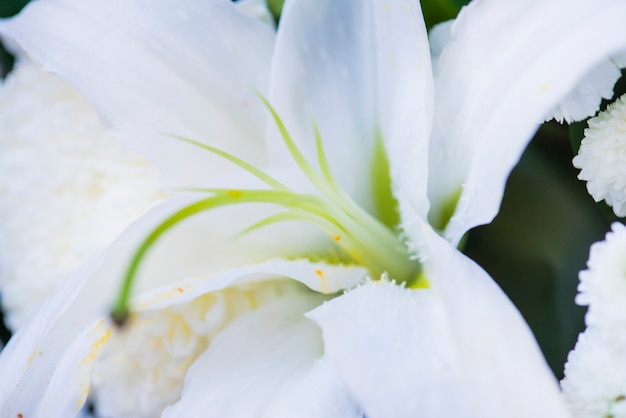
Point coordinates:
[(244, 367), (507, 65), (29, 358), (458, 349), (438, 38), (316, 392), (357, 70), (203, 248), (153, 69), (585, 100)]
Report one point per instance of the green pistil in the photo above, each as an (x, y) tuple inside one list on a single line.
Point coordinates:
[(386, 205), (366, 240)]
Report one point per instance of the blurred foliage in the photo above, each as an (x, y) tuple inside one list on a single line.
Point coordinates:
[(11, 7), (540, 240), (436, 11), (276, 7)]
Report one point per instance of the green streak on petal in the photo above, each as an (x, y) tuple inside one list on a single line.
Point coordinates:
[(386, 205), (440, 220), (419, 282)]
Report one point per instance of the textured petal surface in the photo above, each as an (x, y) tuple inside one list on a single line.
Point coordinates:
[(457, 349), (505, 68), (360, 71), (68, 189), (153, 69)]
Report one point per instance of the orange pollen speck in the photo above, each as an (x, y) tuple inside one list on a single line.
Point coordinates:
[(319, 273), (336, 238), (180, 289)]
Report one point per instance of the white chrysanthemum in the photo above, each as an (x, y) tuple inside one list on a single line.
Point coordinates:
[(142, 370), (68, 189), (595, 373), (602, 156), (603, 285)]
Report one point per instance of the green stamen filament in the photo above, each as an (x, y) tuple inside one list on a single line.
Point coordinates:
[(365, 239)]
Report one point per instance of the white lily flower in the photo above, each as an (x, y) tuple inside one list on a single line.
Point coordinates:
[(358, 77)]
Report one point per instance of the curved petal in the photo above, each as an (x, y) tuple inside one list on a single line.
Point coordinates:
[(153, 69), (360, 71), (202, 247), (585, 100), (316, 392), (505, 68), (438, 38), (244, 368), (457, 349)]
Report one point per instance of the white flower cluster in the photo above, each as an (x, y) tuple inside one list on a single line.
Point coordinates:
[(602, 156), (68, 189), (595, 373)]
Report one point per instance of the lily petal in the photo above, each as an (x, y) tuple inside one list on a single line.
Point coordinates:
[(183, 67), (360, 71), (257, 9), (585, 100), (250, 360), (456, 349), (316, 392), (506, 67)]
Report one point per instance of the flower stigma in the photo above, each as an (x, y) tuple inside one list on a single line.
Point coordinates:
[(362, 238)]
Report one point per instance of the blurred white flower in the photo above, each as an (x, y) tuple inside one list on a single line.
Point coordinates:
[(68, 189), (595, 373), (389, 131)]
